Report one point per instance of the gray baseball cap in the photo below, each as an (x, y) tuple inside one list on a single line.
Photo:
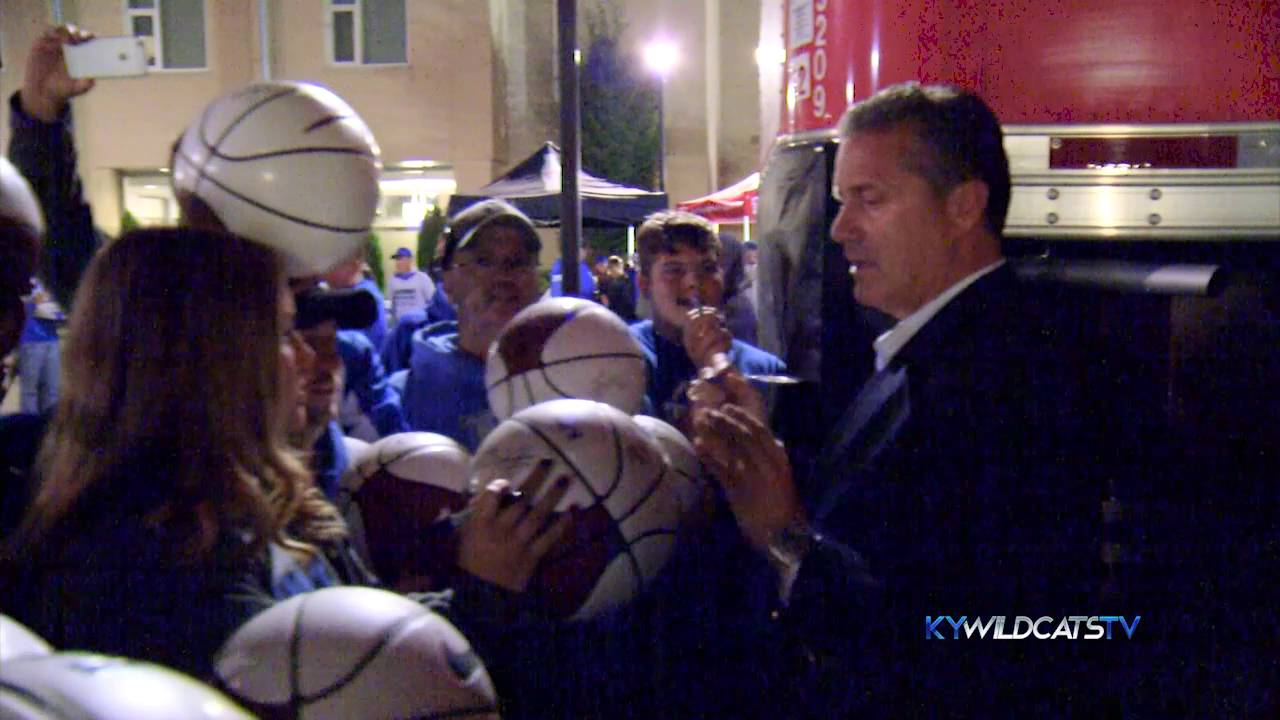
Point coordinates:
[(466, 226)]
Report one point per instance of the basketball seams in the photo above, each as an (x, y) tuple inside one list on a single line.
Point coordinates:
[(324, 122), (391, 632), (565, 361), (380, 461), (528, 391), (542, 370), (598, 498), (295, 658), (308, 150), (231, 126), (620, 470), (212, 147), (648, 493), (45, 704), (632, 511), (268, 209)]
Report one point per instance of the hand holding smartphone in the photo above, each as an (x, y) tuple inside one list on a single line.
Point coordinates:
[(123, 56)]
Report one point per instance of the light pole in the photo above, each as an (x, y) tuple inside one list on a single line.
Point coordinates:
[(660, 57)]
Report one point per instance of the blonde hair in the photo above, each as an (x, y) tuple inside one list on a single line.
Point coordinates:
[(169, 387)]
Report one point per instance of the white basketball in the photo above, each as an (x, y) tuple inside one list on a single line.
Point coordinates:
[(564, 348), (397, 489), (289, 165), (17, 202), (355, 652), (83, 686), (17, 641), (683, 466), (628, 513)]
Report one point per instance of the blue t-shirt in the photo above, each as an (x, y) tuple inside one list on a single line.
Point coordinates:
[(377, 332), (441, 307), (668, 366), (396, 348), (331, 460), (43, 317), (366, 380), (586, 281), (444, 391)]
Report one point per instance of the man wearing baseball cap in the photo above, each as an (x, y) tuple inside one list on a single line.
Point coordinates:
[(410, 289), (490, 266), (330, 320)]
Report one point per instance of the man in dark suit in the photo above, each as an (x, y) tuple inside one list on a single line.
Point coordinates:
[(960, 480)]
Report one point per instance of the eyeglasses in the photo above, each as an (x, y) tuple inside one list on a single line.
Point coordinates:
[(490, 265)]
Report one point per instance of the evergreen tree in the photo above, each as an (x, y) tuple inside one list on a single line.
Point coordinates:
[(619, 106), (619, 115), (373, 258), (428, 235)]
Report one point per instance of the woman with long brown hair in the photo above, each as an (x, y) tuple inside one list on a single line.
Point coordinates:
[(170, 508), (164, 475)]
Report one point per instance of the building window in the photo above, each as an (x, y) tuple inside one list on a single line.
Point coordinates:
[(173, 31), (148, 198), (367, 32), (410, 191)]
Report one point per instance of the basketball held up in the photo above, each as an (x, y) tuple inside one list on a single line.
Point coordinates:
[(587, 519), (168, 507)]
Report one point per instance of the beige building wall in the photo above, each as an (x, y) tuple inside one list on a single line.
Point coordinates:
[(740, 137), (478, 92), (21, 22), (526, 98), (436, 107), (712, 98)]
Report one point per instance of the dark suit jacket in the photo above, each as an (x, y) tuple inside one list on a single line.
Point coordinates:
[(961, 481)]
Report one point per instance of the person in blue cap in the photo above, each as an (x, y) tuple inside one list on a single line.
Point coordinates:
[(411, 289)]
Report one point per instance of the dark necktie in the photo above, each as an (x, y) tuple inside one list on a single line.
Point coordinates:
[(874, 418)]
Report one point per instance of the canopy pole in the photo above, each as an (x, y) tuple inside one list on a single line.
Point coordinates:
[(746, 228), (631, 241), (570, 146)]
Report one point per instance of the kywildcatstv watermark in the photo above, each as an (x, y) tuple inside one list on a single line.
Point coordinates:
[(994, 627)]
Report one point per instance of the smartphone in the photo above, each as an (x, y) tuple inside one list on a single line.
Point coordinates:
[(123, 56)]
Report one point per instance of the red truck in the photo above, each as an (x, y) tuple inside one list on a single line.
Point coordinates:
[(1137, 130), (1144, 146)]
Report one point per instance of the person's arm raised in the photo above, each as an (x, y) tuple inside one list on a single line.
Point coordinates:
[(43, 150)]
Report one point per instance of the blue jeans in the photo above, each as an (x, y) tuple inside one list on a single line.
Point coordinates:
[(38, 368)]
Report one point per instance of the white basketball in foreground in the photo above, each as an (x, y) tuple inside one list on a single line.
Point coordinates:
[(355, 652), (83, 686), (17, 641)]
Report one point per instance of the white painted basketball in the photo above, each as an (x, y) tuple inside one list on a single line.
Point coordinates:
[(355, 652), (395, 492), (289, 165), (83, 686), (17, 641), (17, 202), (683, 466), (627, 513), (564, 348)]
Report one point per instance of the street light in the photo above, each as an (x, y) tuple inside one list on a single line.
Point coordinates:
[(660, 56)]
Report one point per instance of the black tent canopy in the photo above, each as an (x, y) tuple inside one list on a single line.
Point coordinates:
[(534, 187)]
